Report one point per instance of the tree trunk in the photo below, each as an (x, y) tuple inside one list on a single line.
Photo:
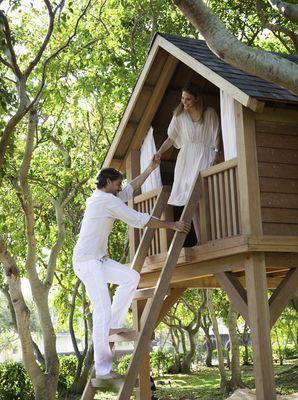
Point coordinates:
[(209, 345), (186, 364), (176, 341), (245, 341), (220, 354), (236, 380)]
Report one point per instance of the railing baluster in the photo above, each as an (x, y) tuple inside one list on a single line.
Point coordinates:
[(233, 200), (217, 206), (211, 207), (222, 205), (228, 202)]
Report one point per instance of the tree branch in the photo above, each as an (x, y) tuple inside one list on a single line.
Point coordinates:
[(46, 40), (287, 10), (264, 64), (13, 64), (275, 27), (58, 51)]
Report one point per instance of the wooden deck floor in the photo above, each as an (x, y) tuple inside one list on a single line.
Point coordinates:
[(197, 265)]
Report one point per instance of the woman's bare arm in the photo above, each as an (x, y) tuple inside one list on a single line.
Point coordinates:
[(167, 144)]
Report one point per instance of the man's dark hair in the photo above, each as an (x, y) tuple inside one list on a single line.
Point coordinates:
[(105, 174)]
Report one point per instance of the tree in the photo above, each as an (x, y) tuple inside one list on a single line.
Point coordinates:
[(219, 346), (236, 381), (185, 318), (261, 63), (18, 185)]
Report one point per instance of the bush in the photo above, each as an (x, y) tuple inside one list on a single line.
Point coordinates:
[(161, 361), (242, 355), (15, 383), (67, 370), (291, 352)]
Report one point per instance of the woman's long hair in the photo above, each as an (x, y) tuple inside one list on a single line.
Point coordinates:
[(194, 90)]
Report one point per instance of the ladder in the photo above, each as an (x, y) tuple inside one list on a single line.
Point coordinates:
[(152, 312)]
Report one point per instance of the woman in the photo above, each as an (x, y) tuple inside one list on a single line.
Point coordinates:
[(194, 130)]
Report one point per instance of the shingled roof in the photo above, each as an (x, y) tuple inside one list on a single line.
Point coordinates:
[(252, 85)]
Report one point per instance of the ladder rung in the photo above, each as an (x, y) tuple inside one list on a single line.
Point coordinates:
[(131, 336), (115, 383), (110, 383), (143, 294)]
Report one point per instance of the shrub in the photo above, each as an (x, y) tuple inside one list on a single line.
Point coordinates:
[(15, 383), (67, 370), (121, 364), (161, 361)]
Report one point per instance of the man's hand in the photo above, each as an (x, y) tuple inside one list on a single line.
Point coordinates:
[(155, 162), (182, 226)]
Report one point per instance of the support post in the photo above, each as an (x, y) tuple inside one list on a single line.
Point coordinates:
[(132, 171), (259, 318), (143, 391)]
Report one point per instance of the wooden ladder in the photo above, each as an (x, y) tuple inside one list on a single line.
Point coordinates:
[(153, 310)]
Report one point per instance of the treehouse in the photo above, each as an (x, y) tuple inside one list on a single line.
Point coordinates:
[(248, 201)]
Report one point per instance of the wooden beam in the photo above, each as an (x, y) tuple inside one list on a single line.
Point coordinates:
[(207, 251), (212, 283), (248, 178), (283, 294), (153, 103), (143, 391), (89, 391), (237, 294), (191, 271), (258, 310), (132, 102), (132, 171)]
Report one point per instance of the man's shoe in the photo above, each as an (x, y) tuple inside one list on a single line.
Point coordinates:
[(110, 375)]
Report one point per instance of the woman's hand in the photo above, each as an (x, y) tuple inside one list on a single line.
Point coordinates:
[(155, 162), (182, 226)]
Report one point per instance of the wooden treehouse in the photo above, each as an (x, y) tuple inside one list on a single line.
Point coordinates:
[(248, 204)]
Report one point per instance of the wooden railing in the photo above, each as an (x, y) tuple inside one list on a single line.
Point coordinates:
[(219, 209), (155, 203)]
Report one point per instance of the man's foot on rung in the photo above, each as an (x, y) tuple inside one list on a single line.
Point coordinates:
[(110, 375)]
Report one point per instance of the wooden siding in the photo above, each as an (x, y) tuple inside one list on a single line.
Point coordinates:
[(277, 152)]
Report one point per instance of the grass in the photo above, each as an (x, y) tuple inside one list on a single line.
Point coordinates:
[(204, 384)]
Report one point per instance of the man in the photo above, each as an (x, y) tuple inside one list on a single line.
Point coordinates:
[(96, 270)]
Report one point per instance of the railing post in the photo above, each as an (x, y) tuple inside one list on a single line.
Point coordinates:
[(132, 171), (203, 211)]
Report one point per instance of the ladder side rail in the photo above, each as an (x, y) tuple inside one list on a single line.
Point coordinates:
[(152, 312), (142, 250)]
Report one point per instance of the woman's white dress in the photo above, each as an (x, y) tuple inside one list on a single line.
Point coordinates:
[(197, 142)]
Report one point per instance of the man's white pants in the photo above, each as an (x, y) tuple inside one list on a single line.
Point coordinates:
[(96, 274)]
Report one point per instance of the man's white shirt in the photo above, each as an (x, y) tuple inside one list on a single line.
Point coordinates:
[(102, 209)]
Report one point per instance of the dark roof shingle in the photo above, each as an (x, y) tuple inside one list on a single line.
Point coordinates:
[(250, 84)]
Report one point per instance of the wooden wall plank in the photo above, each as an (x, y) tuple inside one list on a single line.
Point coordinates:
[(277, 141), (270, 228), (278, 185), (271, 170), (279, 200), (280, 215), (282, 156)]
